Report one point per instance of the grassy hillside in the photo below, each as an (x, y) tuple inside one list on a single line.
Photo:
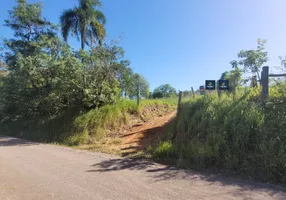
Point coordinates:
[(74, 127), (242, 134)]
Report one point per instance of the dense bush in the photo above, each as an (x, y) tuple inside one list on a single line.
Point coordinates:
[(74, 127), (164, 91), (243, 134), (96, 123), (41, 76)]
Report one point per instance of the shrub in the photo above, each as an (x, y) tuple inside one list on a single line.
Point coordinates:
[(241, 134), (164, 150)]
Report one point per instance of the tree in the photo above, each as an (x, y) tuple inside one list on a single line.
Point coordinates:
[(29, 58), (42, 77), (139, 86), (252, 60), (104, 71), (282, 64), (85, 22), (235, 78), (163, 91), (124, 74), (29, 27)]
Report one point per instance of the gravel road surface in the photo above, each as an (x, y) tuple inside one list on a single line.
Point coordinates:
[(32, 171)]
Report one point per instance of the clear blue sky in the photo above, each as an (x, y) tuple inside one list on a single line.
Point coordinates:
[(183, 42)]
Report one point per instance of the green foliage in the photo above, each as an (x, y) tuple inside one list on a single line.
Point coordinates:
[(282, 66), (27, 21), (164, 150), (31, 32), (49, 92), (74, 127), (187, 93), (38, 65), (172, 102), (77, 139), (125, 76), (141, 84), (44, 77), (104, 75), (97, 122), (113, 117), (235, 78), (43, 129), (252, 60), (242, 135), (164, 91), (85, 22)]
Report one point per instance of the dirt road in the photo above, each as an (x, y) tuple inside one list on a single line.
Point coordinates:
[(142, 135), (31, 171)]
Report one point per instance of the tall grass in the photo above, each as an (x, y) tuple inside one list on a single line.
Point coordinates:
[(74, 127), (241, 134), (97, 123)]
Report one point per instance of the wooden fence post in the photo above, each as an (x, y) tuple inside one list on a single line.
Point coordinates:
[(179, 101), (138, 95), (193, 92), (176, 119), (265, 82), (218, 90)]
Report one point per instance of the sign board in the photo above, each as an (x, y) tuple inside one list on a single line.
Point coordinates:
[(223, 84), (202, 90), (210, 85)]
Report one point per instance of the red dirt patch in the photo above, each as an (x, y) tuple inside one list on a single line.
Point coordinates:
[(141, 135)]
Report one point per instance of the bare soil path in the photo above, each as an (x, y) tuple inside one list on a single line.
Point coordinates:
[(145, 134), (32, 171)]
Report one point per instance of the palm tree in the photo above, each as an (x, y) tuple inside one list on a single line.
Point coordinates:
[(85, 22)]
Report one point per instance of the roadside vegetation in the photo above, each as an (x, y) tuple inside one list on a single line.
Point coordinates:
[(74, 127), (51, 92), (235, 131)]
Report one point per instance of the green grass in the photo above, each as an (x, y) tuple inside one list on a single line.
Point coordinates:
[(166, 101), (74, 127), (240, 134), (111, 118), (164, 150), (53, 129)]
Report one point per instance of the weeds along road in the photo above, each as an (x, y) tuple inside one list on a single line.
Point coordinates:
[(31, 171)]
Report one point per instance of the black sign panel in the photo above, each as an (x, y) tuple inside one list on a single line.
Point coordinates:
[(202, 90), (210, 85), (223, 84)]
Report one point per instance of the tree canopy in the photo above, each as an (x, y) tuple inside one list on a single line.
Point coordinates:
[(252, 60), (141, 84), (85, 22), (41, 76), (164, 91)]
